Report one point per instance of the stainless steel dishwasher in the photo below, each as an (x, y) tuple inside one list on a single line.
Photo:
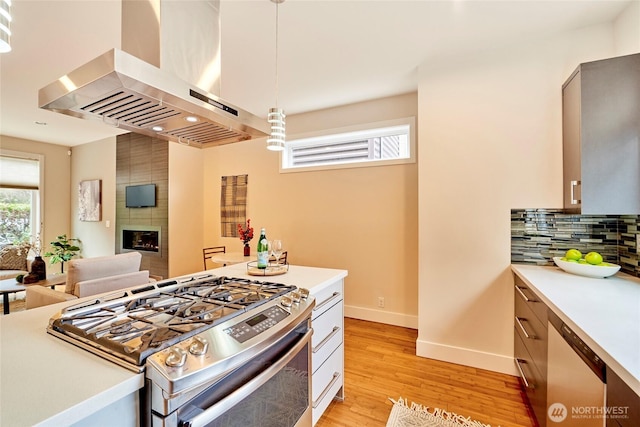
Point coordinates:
[(576, 387)]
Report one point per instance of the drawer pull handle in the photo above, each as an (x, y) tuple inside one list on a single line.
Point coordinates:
[(524, 297), (326, 339), (325, 302), (524, 331), (336, 375), (527, 384)]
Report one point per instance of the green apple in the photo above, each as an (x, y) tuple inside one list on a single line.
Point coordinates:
[(573, 254), (582, 261), (593, 258)]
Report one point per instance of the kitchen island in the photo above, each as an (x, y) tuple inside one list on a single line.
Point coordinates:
[(605, 313), (47, 381)]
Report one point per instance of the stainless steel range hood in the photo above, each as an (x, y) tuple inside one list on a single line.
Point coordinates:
[(138, 89), (123, 91)]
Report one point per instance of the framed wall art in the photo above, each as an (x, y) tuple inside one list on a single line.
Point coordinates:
[(90, 200), (233, 204)]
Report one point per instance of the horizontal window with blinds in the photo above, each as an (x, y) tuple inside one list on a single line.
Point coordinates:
[(367, 146), (20, 195)]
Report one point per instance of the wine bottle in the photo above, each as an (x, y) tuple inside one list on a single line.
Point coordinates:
[(263, 250)]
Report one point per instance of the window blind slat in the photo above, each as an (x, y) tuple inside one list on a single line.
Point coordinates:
[(19, 173)]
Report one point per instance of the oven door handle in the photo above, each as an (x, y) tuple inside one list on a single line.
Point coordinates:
[(213, 412)]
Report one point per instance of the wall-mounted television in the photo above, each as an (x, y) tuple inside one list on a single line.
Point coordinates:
[(140, 196)]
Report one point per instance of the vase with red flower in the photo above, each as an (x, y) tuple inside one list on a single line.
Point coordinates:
[(246, 235)]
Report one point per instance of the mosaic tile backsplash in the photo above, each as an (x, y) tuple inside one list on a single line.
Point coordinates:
[(537, 235)]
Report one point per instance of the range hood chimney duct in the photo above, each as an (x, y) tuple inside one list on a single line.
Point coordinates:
[(164, 83)]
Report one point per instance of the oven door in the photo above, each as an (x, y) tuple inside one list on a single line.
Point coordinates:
[(272, 390)]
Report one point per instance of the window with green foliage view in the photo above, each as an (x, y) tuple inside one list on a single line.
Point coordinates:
[(19, 198), (15, 211)]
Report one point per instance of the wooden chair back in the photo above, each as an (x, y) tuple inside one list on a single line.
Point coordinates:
[(207, 252)]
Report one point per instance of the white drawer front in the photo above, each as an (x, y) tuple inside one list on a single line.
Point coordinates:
[(328, 332), (327, 297), (326, 382)]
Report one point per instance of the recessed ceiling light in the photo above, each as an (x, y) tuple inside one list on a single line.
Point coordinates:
[(191, 119), (157, 128)]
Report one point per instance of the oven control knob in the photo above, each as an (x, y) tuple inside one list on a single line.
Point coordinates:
[(304, 293), (295, 297), (198, 346), (286, 302), (176, 358)]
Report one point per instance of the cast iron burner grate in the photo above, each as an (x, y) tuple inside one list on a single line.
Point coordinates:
[(133, 328)]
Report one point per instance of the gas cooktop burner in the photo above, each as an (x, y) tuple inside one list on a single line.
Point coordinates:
[(120, 326), (159, 336), (148, 319)]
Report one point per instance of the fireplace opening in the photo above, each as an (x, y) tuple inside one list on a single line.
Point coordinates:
[(141, 240)]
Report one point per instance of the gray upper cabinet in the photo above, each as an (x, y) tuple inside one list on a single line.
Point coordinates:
[(601, 137)]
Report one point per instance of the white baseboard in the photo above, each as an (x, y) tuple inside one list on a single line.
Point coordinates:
[(467, 357), (381, 316)]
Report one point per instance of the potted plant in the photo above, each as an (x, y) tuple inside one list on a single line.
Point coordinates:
[(62, 250)]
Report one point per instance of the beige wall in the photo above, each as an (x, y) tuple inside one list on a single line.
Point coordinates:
[(360, 219), (186, 199), (96, 160), (490, 140), (56, 206)]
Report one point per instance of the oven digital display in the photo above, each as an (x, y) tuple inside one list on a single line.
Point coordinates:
[(257, 324), (255, 320)]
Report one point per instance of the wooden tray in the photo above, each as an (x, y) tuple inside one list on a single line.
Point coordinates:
[(271, 270)]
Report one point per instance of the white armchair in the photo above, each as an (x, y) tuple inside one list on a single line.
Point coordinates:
[(91, 276)]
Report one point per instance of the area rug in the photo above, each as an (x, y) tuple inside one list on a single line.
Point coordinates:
[(416, 415)]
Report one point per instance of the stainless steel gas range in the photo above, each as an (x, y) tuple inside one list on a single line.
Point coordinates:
[(215, 351)]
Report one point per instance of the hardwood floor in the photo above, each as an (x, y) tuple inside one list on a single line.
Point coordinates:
[(16, 302), (380, 362)]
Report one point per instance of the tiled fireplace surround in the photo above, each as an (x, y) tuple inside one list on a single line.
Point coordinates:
[(537, 235)]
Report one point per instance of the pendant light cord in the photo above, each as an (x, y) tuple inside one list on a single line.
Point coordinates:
[(275, 118), (277, 89)]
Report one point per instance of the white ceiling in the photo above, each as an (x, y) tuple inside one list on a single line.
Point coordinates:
[(331, 52)]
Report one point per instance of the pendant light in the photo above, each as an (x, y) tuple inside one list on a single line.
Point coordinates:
[(5, 21), (275, 141)]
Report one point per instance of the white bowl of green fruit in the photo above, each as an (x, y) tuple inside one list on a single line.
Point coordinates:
[(591, 265)]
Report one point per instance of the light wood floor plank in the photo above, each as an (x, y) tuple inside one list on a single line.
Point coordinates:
[(380, 362)]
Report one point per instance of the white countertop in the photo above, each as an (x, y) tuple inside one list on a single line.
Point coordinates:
[(47, 381), (312, 278), (605, 313)]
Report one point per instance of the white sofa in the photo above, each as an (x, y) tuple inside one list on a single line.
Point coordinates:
[(12, 274), (91, 276)]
